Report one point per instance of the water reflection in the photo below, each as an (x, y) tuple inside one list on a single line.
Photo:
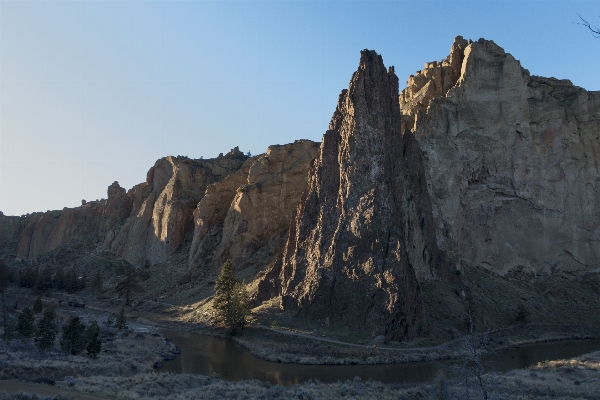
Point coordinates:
[(206, 355)]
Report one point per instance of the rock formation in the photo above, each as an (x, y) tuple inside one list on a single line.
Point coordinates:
[(346, 256), (246, 216), (474, 163), (145, 225), (511, 163)]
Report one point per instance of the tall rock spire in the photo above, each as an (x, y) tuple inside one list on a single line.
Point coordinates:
[(345, 258)]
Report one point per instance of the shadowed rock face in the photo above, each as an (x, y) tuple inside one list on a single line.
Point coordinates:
[(346, 256)]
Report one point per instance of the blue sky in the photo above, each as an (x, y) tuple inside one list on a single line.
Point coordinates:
[(96, 91)]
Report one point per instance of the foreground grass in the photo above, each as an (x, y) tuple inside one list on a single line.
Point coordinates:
[(564, 379)]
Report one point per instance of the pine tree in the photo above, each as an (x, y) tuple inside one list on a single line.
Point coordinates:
[(38, 306), (71, 284), (522, 315), (97, 283), (4, 282), (43, 280), (109, 321), (60, 282), (121, 322), (25, 327), (73, 338), (128, 285), (240, 304), (81, 283), (46, 331), (94, 341), (230, 299)]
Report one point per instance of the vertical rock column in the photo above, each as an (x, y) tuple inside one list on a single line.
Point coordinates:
[(345, 257)]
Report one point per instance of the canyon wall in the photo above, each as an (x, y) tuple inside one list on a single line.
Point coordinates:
[(144, 225), (475, 162), (511, 162)]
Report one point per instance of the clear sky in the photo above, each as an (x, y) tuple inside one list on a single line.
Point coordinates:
[(96, 91)]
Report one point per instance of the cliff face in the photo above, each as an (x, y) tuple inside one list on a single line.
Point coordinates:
[(475, 162), (346, 256), (145, 225), (246, 216), (511, 163)]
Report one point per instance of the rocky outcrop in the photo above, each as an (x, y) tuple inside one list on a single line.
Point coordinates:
[(246, 216), (346, 256), (511, 163), (146, 225)]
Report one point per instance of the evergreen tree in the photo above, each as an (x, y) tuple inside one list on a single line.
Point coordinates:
[(60, 282), (121, 322), (43, 280), (9, 332), (46, 331), (73, 338), (128, 285), (71, 284), (94, 341), (38, 305), (240, 303), (4, 282), (25, 327), (28, 277), (230, 299), (81, 283), (97, 283), (522, 315), (109, 321)]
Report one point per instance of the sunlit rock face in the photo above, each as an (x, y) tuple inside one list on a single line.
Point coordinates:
[(346, 256), (511, 162), (146, 225), (246, 216)]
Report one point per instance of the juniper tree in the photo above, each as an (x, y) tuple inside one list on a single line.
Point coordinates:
[(522, 314), (25, 327), (128, 285), (4, 282), (38, 305), (97, 283), (43, 280), (94, 341), (73, 338), (60, 282), (121, 322), (46, 331)]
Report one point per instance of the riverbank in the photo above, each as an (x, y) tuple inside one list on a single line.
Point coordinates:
[(301, 341), (563, 379)]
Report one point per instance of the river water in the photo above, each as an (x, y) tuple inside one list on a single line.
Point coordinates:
[(207, 355)]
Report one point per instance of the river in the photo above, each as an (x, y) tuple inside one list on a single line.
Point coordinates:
[(206, 355)]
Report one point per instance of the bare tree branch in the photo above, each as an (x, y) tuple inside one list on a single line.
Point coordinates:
[(594, 30)]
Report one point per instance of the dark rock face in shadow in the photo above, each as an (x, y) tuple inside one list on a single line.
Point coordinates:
[(346, 257)]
